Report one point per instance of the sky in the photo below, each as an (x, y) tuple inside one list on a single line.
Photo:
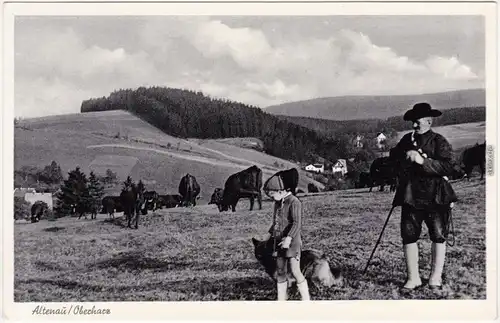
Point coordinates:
[(257, 60)]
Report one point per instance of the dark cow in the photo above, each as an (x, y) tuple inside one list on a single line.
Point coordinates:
[(383, 172), (189, 189), (169, 201), (217, 197), (110, 205), (474, 156), (38, 209), (151, 200), (133, 202), (365, 180), (311, 188), (244, 184), (290, 178), (82, 209)]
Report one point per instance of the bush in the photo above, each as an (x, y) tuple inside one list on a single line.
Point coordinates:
[(22, 209)]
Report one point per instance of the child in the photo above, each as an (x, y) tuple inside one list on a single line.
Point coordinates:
[(287, 231)]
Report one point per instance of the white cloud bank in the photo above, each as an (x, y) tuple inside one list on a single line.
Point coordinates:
[(56, 70)]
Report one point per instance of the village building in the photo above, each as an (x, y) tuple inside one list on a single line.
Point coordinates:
[(340, 167), (381, 140), (316, 168), (31, 196), (358, 141)]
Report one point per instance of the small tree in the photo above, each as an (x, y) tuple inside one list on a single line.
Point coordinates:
[(73, 193), (110, 177), (95, 192), (22, 209), (128, 183)]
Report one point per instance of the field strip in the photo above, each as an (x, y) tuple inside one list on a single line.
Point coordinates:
[(191, 158)]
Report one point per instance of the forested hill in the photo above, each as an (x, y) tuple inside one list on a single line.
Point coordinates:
[(190, 114), (184, 113)]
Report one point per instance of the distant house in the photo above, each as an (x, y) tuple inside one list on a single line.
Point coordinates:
[(340, 167), (316, 168), (357, 141), (31, 196), (381, 138)]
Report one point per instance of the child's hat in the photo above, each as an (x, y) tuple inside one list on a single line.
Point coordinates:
[(274, 183)]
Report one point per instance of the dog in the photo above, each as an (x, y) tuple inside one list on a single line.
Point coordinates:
[(313, 264)]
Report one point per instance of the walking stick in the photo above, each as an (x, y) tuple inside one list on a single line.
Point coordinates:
[(275, 252), (378, 241)]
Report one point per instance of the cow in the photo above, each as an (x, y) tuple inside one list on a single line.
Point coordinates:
[(151, 200), (110, 205), (38, 209), (311, 188), (290, 178), (82, 209), (244, 184), (383, 172), (133, 202), (365, 180), (189, 189), (217, 197), (169, 200), (474, 156)]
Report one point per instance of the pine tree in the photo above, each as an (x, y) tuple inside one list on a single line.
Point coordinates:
[(72, 194), (128, 183), (95, 194)]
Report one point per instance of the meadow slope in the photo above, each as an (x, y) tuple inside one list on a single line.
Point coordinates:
[(200, 254), (128, 145), (460, 135)]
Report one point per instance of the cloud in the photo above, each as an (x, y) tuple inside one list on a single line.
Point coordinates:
[(56, 68)]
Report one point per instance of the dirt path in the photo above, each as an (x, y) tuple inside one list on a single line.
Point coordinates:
[(212, 162)]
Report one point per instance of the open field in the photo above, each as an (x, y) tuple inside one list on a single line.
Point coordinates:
[(460, 135), (201, 254), (130, 146)]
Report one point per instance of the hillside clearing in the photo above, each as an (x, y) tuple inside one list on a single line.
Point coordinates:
[(128, 145), (460, 135), (201, 254)]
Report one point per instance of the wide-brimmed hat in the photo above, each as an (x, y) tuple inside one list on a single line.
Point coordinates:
[(421, 110)]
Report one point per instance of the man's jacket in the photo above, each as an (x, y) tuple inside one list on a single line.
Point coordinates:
[(423, 186)]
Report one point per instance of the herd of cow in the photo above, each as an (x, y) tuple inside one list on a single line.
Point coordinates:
[(135, 200)]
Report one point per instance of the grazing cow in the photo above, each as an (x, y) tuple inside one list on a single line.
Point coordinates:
[(217, 197), (133, 202), (311, 188), (313, 265), (110, 205), (38, 209), (189, 189), (365, 180), (244, 184), (383, 172), (169, 200), (151, 200), (474, 156), (290, 178)]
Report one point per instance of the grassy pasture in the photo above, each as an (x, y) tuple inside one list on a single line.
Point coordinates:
[(460, 135), (200, 254), (130, 146)]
